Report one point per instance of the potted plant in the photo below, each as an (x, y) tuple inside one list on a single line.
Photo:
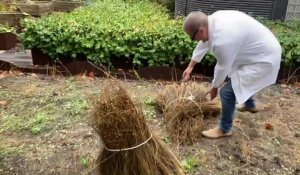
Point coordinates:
[(8, 37)]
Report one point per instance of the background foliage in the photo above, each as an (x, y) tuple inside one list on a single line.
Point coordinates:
[(288, 34), (141, 33)]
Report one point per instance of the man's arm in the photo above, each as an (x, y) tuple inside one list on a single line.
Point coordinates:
[(198, 54), (226, 54)]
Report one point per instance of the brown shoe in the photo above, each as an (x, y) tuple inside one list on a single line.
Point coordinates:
[(243, 108), (215, 133)]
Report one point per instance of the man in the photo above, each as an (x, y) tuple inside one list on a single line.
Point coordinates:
[(246, 51)]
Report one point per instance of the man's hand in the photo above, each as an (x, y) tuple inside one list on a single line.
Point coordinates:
[(213, 93), (187, 74)]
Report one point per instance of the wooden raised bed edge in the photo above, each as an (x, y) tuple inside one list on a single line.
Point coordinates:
[(8, 41), (11, 19), (39, 8), (40, 58), (66, 6)]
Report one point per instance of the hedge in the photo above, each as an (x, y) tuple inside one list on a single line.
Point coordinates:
[(141, 32), (288, 34)]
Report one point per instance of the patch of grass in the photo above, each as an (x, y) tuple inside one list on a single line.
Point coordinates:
[(149, 112), (84, 161), (38, 123), (190, 164), (167, 139), (70, 84), (5, 95), (10, 151), (76, 107), (149, 101), (38, 108), (8, 147), (149, 108)]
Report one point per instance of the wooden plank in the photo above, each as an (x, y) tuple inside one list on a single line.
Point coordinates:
[(39, 8), (11, 19), (66, 6)]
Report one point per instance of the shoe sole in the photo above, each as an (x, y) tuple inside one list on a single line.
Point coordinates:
[(241, 110), (224, 135)]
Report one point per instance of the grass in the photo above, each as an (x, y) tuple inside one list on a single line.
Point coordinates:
[(148, 107), (84, 161), (76, 107), (190, 164), (37, 111), (38, 123), (10, 150)]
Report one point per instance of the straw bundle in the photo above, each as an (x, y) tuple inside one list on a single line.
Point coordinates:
[(185, 107), (129, 147)]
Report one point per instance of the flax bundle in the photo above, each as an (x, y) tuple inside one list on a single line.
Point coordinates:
[(185, 107), (121, 125)]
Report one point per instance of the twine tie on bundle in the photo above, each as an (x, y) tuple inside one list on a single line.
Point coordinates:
[(130, 148)]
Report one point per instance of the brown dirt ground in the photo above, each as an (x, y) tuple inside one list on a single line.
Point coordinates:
[(264, 143)]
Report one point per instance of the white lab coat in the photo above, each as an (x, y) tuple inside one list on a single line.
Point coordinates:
[(246, 51)]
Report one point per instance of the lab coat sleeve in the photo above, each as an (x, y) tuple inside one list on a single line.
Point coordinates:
[(199, 52), (225, 54)]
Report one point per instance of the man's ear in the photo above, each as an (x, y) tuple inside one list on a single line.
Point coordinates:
[(201, 30)]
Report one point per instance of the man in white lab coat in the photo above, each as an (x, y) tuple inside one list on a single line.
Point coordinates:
[(246, 51)]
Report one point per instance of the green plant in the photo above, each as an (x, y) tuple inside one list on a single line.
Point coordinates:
[(141, 32), (148, 108), (288, 34), (38, 123), (149, 112), (84, 161), (167, 139), (169, 4), (5, 29), (190, 163), (76, 106)]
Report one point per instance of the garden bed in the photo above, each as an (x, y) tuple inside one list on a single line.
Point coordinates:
[(44, 129)]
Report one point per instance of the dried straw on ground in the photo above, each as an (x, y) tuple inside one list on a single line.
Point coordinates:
[(121, 125), (185, 106)]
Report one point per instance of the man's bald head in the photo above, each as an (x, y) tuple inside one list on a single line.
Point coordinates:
[(193, 21)]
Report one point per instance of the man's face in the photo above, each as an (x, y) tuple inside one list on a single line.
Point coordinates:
[(201, 34)]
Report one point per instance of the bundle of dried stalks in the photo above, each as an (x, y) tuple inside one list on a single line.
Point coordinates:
[(129, 147), (184, 107)]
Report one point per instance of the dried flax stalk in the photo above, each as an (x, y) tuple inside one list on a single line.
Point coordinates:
[(121, 125), (185, 106)]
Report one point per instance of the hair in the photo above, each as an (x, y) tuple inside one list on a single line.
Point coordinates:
[(193, 21)]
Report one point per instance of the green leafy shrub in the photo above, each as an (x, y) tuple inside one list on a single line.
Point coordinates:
[(288, 34), (169, 4), (142, 32)]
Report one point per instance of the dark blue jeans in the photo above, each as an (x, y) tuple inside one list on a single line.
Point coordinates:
[(228, 106)]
